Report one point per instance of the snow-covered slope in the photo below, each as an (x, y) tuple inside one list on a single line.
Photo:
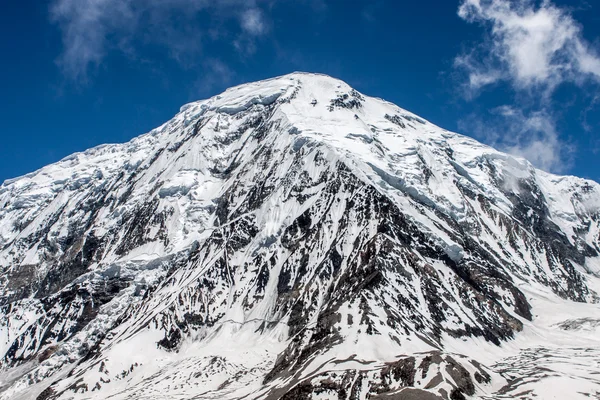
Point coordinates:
[(295, 239)]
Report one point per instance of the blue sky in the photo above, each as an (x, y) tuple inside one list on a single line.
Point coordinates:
[(521, 75)]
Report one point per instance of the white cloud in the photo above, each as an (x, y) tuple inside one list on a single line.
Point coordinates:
[(530, 45), (92, 28), (531, 135), (534, 46), (85, 25), (535, 138), (252, 21)]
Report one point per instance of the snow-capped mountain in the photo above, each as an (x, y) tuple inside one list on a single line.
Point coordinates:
[(296, 239)]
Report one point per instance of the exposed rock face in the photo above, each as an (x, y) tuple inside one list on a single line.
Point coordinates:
[(292, 239), (426, 376)]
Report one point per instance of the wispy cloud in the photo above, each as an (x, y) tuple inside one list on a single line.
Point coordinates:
[(252, 21), (531, 135), (529, 44), (217, 75), (590, 109), (85, 27), (91, 29)]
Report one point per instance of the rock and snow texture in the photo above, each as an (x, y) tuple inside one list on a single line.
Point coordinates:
[(295, 239)]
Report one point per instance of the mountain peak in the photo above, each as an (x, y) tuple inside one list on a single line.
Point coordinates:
[(294, 238)]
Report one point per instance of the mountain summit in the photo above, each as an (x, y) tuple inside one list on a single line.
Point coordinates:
[(296, 239)]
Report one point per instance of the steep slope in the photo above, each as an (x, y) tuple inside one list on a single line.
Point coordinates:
[(293, 238)]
